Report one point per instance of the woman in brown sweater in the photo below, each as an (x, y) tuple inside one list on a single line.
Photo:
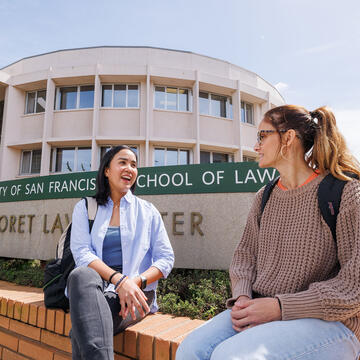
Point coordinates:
[(296, 292)]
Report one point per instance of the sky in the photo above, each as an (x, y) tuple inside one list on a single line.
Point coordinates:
[(308, 49)]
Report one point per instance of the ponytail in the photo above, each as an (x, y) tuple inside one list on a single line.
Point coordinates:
[(330, 152)]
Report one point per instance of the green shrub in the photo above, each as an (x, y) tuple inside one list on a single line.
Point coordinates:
[(22, 272), (199, 294)]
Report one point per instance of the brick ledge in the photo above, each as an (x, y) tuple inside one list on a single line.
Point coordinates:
[(30, 331)]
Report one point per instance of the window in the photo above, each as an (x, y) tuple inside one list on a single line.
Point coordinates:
[(30, 162), (214, 157), (70, 159), (171, 156), (172, 98), (215, 105), (35, 102), (248, 158), (75, 97), (247, 113), (120, 96), (105, 149)]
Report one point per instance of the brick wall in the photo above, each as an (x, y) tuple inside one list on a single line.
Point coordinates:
[(30, 331)]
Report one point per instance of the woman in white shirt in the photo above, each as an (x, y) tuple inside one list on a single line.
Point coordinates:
[(118, 263)]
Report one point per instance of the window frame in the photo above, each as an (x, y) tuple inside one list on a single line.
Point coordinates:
[(227, 105), (247, 158), (245, 120), (130, 146), (126, 96), (178, 154), (21, 173), (53, 156), (57, 102), (230, 156), (190, 98), (35, 102)]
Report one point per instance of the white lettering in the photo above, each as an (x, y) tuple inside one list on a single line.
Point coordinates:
[(81, 189), (181, 179), (64, 187), (167, 180), (3, 190), (151, 180), (93, 184), (138, 181), (237, 181), (51, 185), (218, 176), (266, 173), (15, 189), (34, 189), (57, 186), (250, 176), (73, 185), (187, 180), (211, 175)]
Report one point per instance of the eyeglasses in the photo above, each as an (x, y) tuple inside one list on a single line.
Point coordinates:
[(262, 134)]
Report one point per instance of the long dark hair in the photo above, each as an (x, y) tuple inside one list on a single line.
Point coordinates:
[(102, 182), (323, 144)]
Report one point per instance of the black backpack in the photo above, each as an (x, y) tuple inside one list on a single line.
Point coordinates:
[(329, 198), (57, 271)]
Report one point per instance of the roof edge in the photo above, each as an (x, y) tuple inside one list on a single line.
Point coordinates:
[(143, 47)]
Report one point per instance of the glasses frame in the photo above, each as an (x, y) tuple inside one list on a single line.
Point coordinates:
[(260, 137)]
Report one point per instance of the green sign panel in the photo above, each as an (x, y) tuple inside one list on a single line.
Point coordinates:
[(183, 179)]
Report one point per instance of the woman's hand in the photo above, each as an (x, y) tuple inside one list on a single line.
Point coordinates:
[(248, 313), (131, 297)]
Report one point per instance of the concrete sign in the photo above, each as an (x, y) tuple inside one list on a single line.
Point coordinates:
[(204, 208)]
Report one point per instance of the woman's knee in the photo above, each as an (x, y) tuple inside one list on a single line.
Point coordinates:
[(81, 275)]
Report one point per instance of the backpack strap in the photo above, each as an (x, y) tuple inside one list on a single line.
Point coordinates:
[(329, 199), (91, 207), (267, 192)]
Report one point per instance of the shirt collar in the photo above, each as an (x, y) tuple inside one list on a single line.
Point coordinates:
[(129, 197)]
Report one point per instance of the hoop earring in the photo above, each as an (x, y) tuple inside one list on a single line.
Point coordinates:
[(281, 151)]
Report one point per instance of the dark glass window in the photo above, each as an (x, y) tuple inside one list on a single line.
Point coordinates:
[(86, 97), (68, 98), (204, 103), (30, 162)]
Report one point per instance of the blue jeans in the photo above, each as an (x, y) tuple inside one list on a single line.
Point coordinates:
[(303, 339)]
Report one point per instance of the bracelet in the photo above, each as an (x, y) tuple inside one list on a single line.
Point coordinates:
[(113, 274), (120, 281), (279, 303)]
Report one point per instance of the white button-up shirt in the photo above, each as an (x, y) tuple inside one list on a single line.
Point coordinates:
[(144, 239)]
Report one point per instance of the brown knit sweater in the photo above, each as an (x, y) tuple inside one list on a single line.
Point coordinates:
[(289, 253)]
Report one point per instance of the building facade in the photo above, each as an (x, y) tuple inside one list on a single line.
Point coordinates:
[(60, 111)]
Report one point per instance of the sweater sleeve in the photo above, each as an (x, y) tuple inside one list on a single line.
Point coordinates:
[(243, 266), (338, 298)]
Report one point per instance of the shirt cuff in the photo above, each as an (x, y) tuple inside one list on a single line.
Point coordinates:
[(242, 287), (305, 304)]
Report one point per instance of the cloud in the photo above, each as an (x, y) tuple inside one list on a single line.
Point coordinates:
[(348, 122), (280, 86)]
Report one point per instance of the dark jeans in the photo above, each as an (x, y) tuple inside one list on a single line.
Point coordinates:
[(95, 315)]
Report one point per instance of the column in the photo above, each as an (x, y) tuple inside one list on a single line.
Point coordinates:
[(95, 124), (48, 125), (237, 118), (148, 119), (196, 112)]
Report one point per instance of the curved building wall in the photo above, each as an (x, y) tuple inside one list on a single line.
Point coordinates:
[(62, 110)]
